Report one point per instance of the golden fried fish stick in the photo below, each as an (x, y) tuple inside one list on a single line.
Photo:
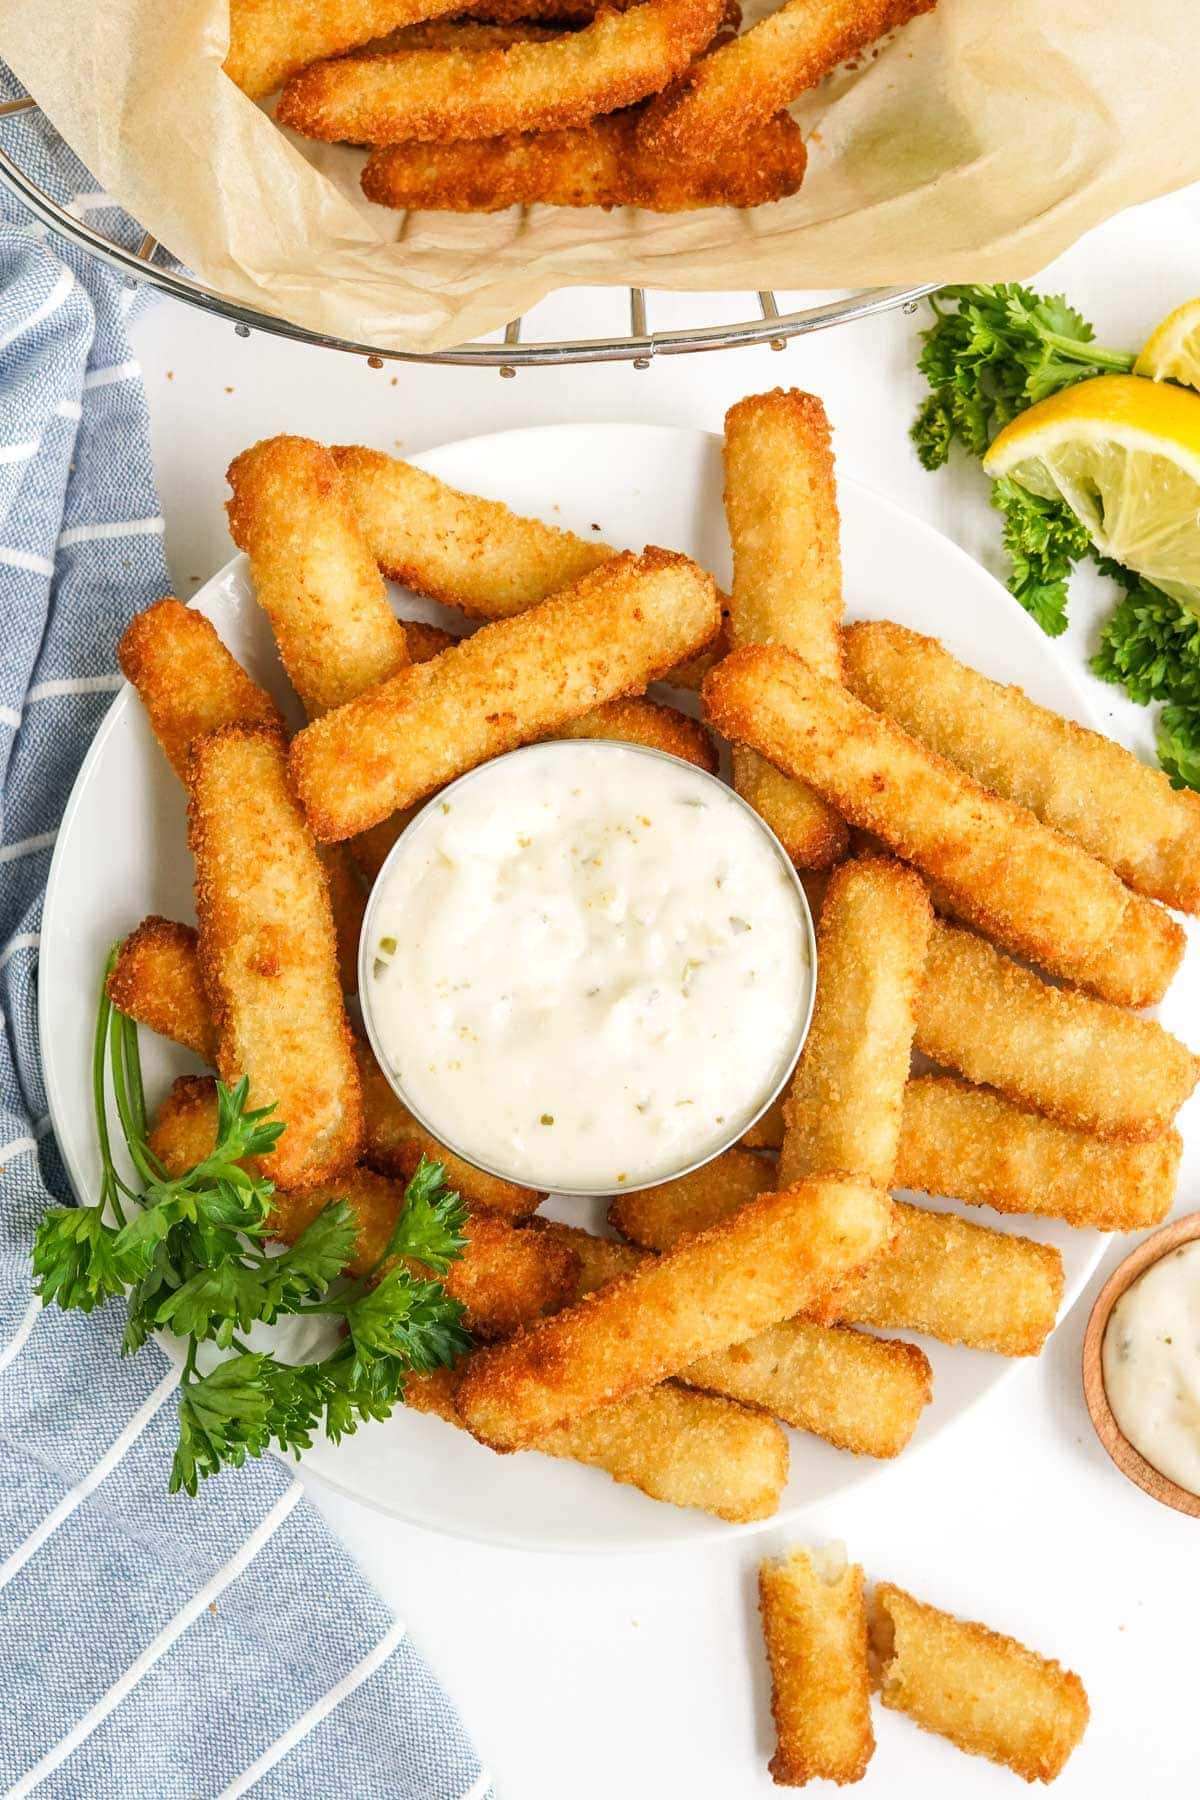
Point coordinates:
[(814, 1621), (940, 1275), (313, 571), (557, 12), (776, 1256), (1119, 808), (843, 1109), (781, 506), (272, 39), (674, 1445), (657, 1217), (394, 1143), (156, 981), (505, 1278), (1037, 893), (767, 1132), (780, 57), (187, 680), (1081, 1061), (191, 685), (974, 1145), (431, 95), (598, 164), (458, 548), (859, 1393), (268, 953), (985, 1692), (610, 635)]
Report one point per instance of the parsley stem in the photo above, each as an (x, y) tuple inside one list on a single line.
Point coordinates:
[(110, 1181), (125, 1105)]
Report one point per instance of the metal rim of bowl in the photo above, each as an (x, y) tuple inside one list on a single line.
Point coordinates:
[(638, 345), (366, 957)]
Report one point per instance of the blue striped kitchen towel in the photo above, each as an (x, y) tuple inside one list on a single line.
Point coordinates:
[(150, 1648)]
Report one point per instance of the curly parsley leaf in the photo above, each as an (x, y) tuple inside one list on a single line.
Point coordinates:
[(1044, 541)]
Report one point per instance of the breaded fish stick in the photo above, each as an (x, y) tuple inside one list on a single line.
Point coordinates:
[(191, 685), (776, 1256), (394, 1143), (1081, 1061), (599, 164), (187, 680), (814, 1620), (781, 507), (941, 1275), (986, 1693), (858, 1392), (313, 572), (843, 1109), (272, 39), (674, 1445), (505, 1278), (430, 95), (156, 981), (972, 1144), (1037, 893), (770, 65), (268, 954), (610, 635), (1116, 806)]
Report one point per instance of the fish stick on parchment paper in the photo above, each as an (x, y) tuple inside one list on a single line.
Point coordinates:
[(782, 512), (268, 952), (1037, 893)]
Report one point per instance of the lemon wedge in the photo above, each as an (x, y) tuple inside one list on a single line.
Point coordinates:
[(1172, 351), (1124, 454)]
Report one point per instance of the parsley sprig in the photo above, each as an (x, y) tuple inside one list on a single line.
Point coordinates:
[(990, 353), (188, 1254)]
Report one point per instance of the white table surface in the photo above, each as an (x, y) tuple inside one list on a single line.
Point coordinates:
[(585, 1677)]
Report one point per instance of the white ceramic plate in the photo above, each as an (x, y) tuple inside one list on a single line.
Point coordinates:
[(122, 853)]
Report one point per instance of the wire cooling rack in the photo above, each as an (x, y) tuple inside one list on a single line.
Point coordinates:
[(636, 344)]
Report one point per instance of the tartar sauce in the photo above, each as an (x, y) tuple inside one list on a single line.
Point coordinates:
[(588, 966), (1151, 1363)]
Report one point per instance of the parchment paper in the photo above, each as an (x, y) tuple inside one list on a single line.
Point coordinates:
[(976, 145)]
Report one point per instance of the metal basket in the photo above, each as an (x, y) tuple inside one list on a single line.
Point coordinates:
[(638, 344)]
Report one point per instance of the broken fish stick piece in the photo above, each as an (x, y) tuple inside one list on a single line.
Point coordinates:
[(313, 571), (1089, 787), (814, 1621), (673, 1445), (433, 95), (1081, 1061), (780, 57), (187, 680), (781, 508), (394, 1143), (191, 685), (156, 982), (985, 1692), (972, 1144), (843, 1109), (505, 1278), (268, 952), (773, 1258), (657, 1217), (958, 1282), (614, 632), (651, 724), (272, 39), (940, 1275), (860, 1393), (1037, 893)]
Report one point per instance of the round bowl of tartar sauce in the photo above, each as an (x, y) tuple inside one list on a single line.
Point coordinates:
[(587, 967)]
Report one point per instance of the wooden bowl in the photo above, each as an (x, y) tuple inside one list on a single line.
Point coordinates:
[(1130, 1461)]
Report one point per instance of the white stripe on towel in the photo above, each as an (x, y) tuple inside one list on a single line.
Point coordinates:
[(25, 559), (20, 1336), (241, 1784), (479, 1788), (23, 940), (10, 716), (91, 1481), (115, 372), (117, 528), (154, 1651), (68, 409), (26, 846), (15, 453), (75, 684)]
